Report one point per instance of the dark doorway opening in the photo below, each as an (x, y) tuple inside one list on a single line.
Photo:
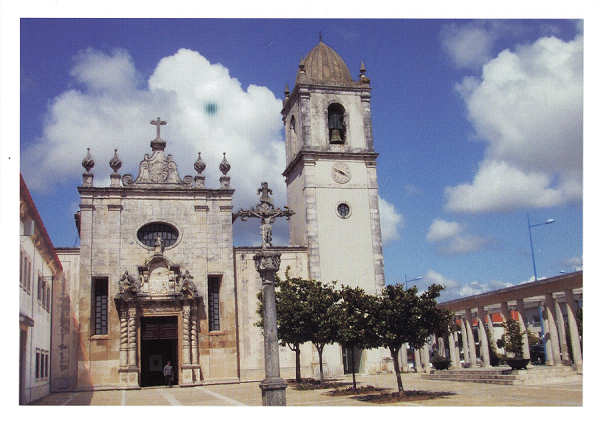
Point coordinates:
[(159, 345)]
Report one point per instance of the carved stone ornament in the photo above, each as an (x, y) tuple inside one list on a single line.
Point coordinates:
[(187, 288), (156, 169), (88, 161), (199, 165), (115, 163), (224, 166), (267, 261), (129, 287)]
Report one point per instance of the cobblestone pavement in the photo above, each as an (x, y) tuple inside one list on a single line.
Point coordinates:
[(567, 393)]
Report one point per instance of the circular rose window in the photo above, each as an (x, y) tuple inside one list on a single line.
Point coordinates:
[(149, 234), (343, 210)]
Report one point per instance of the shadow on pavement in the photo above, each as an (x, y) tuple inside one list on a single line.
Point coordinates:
[(406, 396)]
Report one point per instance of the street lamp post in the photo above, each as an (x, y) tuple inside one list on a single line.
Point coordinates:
[(529, 225)]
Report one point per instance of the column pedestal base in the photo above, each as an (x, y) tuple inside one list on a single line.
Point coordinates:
[(129, 377), (273, 391), (190, 375)]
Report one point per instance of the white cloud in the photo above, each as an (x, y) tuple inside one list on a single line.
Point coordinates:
[(468, 45), (391, 221), (451, 238), (527, 106), (206, 109), (454, 289), (575, 263), (442, 229)]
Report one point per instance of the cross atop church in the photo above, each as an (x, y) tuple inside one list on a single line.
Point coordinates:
[(157, 122)]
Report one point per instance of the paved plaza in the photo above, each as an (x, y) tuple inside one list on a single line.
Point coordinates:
[(569, 392)]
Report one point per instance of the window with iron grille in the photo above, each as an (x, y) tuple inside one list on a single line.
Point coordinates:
[(148, 233), (100, 306), (21, 268), (46, 365), (37, 365), (40, 288), (213, 303)]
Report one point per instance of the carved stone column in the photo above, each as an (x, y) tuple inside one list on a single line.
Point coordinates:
[(194, 331), (490, 326), (123, 337), (452, 349), (186, 335), (465, 342), (523, 328), (472, 352), (132, 337), (441, 346), (549, 301), (425, 357), (573, 330), (417, 357), (562, 335), (404, 357), (273, 387), (457, 349), (484, 350)]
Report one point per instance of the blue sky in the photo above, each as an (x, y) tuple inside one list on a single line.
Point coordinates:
[(477, 123)]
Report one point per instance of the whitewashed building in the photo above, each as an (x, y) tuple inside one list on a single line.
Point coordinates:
[(39, 270)]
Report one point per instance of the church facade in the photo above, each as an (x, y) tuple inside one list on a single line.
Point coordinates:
[(157, 278)]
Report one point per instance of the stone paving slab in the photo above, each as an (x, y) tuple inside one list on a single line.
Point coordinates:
[(567, 393)]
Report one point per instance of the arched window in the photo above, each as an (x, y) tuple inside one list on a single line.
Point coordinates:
[(336, 124)]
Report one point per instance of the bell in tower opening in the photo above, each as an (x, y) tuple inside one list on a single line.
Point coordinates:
[(337, 127)]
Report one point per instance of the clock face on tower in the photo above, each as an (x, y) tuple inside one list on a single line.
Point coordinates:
[(340, 173)]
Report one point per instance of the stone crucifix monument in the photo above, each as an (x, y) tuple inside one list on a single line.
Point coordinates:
[(267, 263)]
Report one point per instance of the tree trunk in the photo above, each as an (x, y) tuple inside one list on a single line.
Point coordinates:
[(298, 376), (352, 366), (320, 351), (394, 353)]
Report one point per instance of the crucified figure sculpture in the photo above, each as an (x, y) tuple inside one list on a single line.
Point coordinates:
[(266, 212)]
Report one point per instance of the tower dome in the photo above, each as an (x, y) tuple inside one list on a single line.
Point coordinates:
[(324, 65)]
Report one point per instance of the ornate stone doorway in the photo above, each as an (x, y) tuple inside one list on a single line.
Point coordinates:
[(159, 338), (158, 311)]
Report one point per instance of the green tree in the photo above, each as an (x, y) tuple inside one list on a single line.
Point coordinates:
[(403, 316), (513, 338), (293, 316), (354, 319), (321, 322)]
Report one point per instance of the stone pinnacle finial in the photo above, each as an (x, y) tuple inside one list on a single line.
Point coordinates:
[(115, 163), (320, 36), (88, 161), (224, 166), (301, 65), (199, 165), (287, 90), (363, 73)]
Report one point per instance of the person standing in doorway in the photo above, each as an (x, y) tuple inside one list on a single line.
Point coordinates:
[(168, 373)]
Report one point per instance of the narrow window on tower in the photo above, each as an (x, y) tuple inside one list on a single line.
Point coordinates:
[(214, 282), (100, 306), (336, 124)]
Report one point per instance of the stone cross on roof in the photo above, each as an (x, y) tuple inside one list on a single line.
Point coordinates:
[(157, 122)]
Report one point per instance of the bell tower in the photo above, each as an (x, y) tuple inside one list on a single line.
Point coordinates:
[(331, 173)]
